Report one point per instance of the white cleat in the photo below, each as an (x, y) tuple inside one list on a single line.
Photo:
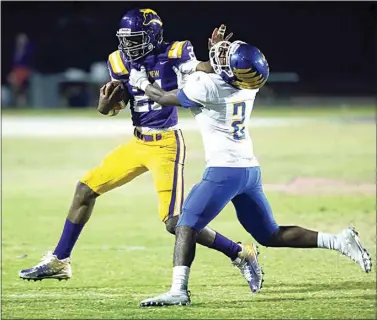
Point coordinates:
[(247, 263), (49, 268), (168, 299), (352, 248)]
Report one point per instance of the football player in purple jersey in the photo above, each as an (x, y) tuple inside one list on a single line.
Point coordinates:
[(157, 146)]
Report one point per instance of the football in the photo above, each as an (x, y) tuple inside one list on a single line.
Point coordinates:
[(121, 96)]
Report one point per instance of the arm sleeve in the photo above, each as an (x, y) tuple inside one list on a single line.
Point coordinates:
[(196, 93), (185, 101)]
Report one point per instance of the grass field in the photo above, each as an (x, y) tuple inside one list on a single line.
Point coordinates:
[(124, 254), (266, 111)]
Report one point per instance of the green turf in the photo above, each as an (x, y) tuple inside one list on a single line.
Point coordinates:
[(124, 255)]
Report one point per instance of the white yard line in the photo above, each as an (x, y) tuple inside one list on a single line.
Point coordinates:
[(96, 248), (13, 126), (61, 295)]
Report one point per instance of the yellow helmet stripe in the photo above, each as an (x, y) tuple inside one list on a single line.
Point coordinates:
[(145, 12), (235, 70), (249, 79), (249, 85)]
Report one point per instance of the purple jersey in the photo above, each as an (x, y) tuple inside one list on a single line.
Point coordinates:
[(159, 66)]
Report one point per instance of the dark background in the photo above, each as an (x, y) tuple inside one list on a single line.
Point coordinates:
[(331, 45)]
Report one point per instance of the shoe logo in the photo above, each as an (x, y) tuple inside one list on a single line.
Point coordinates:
[(164, 62)]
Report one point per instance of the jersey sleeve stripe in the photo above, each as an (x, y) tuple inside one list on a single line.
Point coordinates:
[(172, 50), (117, 64), (180, 48), (121, 64), (180, 184), (113, 63), (185, 101)]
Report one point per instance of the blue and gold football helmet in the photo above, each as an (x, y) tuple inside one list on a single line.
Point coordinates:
[(140, 32), (239, 64)]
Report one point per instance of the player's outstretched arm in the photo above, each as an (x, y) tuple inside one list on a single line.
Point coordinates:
[(139, 79), (194, 94), (170, 98), (162, 97)]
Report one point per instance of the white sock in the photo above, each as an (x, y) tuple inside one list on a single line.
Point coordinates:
[(328, 241), (180, 279)]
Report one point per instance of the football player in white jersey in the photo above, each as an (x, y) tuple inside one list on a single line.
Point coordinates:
[(222, 103)]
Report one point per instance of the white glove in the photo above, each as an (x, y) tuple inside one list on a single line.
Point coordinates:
[(139, 79)]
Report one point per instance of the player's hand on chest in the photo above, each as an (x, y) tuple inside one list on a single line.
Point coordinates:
[(160, 73)]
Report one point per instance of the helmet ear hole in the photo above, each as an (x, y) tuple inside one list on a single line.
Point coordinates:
[(160, 37)]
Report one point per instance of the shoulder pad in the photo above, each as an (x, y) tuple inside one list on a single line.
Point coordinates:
[(175, 49), (116, 63)]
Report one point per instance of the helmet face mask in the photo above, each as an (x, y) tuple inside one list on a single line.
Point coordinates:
[(219, 56), (139, 34), (134, 45), (241, 65)]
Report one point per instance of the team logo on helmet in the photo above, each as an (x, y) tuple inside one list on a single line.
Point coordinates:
[(150, 16), (247, 78)]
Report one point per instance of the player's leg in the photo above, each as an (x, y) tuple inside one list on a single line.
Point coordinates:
[(79, 213), (201, 206), (346, 242), (243, 256), (211, 239), (166, 162), (255, 214), (119, 167)]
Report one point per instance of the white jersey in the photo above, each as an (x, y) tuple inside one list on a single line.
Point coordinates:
[(223, 120)]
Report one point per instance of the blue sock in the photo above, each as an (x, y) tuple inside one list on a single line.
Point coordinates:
[(68, 239), (226, 246)]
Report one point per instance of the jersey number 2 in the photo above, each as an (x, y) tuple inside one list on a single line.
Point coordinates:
[(238, 125)]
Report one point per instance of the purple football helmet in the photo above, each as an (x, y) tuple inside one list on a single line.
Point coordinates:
[(140, 32), (239, 64)]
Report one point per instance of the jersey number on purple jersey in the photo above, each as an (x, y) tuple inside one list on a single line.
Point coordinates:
[(143, 103)]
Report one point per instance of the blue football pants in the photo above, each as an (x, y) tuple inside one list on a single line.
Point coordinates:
[(220, 185)]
